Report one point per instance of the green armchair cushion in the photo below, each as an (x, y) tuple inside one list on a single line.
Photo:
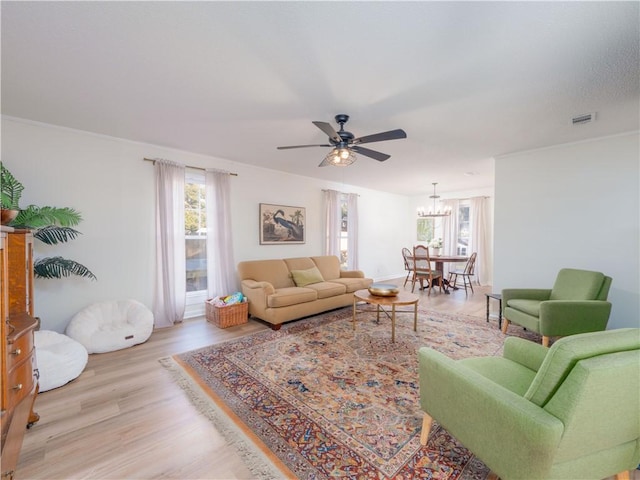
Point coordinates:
[(530, 307), (573, 284)]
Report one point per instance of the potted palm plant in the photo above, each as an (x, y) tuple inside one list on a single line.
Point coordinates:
[(50, 225), (10, 193)]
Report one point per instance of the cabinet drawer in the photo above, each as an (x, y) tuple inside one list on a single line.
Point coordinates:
[(20, 381), (21, 348)]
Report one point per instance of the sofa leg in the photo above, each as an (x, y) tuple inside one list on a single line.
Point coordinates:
[(623, 475), (493, 476), (276, 327), (427, 422), (545, 341), (505, 325)]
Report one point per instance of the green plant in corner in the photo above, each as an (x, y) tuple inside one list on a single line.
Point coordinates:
[(50, 225), (11, 190), (53, 225)]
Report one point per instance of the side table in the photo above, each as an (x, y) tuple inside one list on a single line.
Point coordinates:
[(403, 298), (495, 296)]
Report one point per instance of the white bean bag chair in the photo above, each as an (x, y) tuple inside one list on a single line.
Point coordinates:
[(108, 326), (60, 359)]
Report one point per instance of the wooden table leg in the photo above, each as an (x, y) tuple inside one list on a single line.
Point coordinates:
[(393, 323), (487, 308), (415, 317), (354, 313)]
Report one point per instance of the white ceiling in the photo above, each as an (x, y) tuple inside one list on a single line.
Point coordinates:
[(467, 81)]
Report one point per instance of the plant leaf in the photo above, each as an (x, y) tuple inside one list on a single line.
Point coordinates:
[(10, 189), (52, 234), (58, 267), (39, 217)]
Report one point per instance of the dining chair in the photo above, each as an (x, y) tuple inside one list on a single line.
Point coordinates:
[(422, 269), (406, 256), (466, 273)]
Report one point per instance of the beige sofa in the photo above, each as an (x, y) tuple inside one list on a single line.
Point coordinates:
[(271, 286)]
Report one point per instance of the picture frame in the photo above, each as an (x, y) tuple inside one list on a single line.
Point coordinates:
[(282, 224)]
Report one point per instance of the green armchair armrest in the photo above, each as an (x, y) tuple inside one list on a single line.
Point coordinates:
[(566, 317), (524, 352)]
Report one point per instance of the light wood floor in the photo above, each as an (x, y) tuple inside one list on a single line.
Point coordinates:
[(124, 418)]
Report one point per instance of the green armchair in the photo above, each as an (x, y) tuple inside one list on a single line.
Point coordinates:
[(569, 411), (577, 303)]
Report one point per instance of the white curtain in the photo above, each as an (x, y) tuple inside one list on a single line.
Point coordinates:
[(221, 268), (352, 231), (450, 227), (170, 282), (450, 231), (479, 238), (333, 219)]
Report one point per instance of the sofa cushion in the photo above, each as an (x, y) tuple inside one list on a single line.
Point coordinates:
[(275, 272), (302, 278), (353, 284), (299, 263), (328, 289), (329, 266), (284, 297)]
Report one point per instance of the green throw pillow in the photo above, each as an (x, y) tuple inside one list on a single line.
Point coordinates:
[(306, 277)]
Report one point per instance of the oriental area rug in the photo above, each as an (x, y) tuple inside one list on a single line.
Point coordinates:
[(317, 399)]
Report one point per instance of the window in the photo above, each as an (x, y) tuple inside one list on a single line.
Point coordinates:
[(426, 229), (464, 229), (344, 235), (195, 231)]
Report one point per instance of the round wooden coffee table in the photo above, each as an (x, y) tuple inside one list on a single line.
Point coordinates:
[(401, 299)]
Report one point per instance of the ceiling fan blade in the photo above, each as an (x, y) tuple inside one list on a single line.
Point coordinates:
[(381, 157), (302, 146), (329, 130), (379, 137)]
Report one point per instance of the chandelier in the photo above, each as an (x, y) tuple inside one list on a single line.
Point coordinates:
[(339, 157), (433, 211)]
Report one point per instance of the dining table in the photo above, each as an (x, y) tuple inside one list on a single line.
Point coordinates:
[(440, 260)]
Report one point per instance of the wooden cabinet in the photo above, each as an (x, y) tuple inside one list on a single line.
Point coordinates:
[(18, 375)]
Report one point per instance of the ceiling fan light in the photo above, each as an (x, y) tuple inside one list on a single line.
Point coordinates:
[(340, 157)]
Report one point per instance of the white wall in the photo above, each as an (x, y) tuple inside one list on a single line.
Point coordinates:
[(574, 205), (107, 180)]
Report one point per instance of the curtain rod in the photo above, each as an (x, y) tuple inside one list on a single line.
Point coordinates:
[(188, 166), (344, 193)]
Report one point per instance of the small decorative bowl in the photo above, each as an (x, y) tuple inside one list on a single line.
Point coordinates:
[(383, 290)]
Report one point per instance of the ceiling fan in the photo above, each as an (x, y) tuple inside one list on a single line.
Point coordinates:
[(345, 144)]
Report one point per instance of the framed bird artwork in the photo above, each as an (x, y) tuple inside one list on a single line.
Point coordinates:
[(281, 224)]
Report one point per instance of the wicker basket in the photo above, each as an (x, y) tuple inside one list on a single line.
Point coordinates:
[(227, 316)]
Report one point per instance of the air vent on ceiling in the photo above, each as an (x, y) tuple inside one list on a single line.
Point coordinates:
[(582, 119)]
